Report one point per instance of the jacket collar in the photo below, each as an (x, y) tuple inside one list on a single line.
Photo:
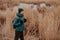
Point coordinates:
[(19, 15)]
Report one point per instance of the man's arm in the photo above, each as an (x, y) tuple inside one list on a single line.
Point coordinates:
[(16, 23)]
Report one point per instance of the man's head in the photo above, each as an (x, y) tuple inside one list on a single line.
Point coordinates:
[(20, 10)]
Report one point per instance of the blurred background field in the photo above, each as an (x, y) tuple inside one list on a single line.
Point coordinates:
[(43, 19)]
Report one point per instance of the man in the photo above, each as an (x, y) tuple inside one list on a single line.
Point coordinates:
[(18, 24)]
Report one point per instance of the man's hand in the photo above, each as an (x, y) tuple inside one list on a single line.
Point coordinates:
[(25, 20)]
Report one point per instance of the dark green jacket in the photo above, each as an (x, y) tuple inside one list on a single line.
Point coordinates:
[(18, 22)]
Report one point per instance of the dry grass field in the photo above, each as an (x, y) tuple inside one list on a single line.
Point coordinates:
[(43, 19)]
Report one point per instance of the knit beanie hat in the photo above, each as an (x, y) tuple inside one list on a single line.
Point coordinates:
[(20, 10)]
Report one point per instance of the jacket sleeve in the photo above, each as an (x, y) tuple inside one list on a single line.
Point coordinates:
[(16, 22)]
